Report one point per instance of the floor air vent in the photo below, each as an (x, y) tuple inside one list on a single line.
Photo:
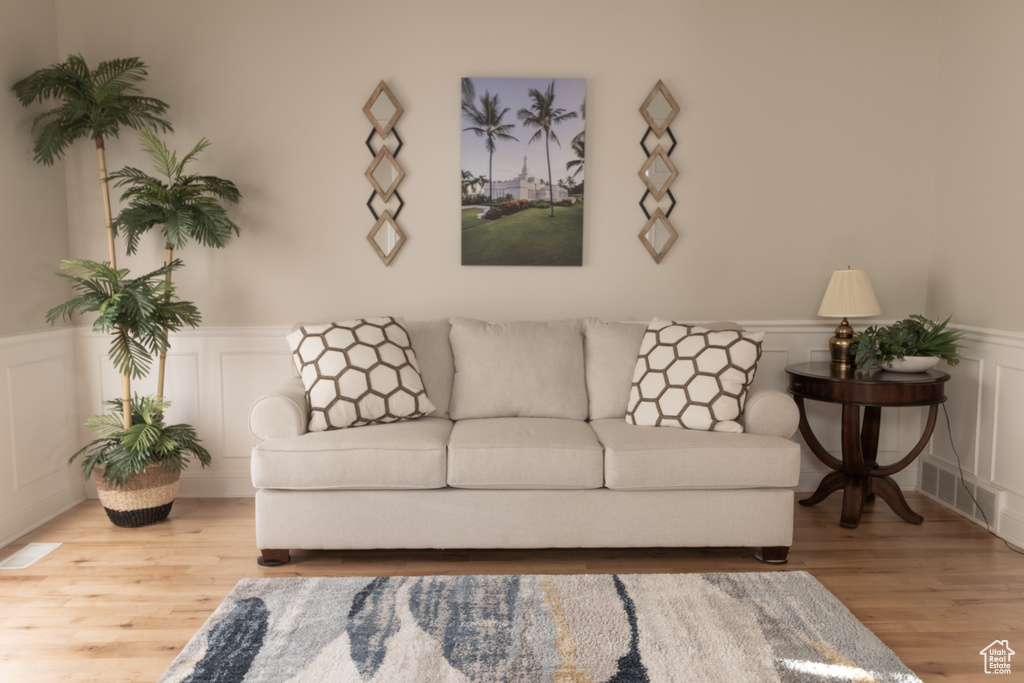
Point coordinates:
[(947, 487)]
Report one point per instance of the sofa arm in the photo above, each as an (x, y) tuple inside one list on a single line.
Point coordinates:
[(770, 412), (282, 413)]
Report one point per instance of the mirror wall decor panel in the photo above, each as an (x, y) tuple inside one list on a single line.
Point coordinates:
[(658, 172), (384, 173)]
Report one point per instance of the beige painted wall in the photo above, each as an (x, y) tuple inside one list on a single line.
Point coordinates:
[(33, 217), (804, 146), (978, 234)]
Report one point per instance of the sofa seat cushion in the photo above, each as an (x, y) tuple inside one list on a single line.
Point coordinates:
[(649, 458), (399, 455), (524, 453)]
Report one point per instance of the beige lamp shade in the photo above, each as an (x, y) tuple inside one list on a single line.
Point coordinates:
[(849, 295)]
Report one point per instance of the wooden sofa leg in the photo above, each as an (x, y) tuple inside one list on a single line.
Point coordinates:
[(273, 558), (778, 554)]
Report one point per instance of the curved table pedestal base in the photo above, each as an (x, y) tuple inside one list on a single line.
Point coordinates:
[(860, 489), (858, 474)]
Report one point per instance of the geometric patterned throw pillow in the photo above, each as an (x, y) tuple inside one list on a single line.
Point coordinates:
[(691, 377), (357, 373)]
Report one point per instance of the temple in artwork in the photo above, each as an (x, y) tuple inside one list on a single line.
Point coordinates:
[(526, 186)]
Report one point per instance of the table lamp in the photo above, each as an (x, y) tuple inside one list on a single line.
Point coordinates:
[(848, 295)]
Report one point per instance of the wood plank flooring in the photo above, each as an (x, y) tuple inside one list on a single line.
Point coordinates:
[(117, 604)]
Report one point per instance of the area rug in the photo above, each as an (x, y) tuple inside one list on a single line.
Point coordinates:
[(627, 628)]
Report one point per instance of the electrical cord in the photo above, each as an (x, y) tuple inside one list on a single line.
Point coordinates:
[(963, 483)]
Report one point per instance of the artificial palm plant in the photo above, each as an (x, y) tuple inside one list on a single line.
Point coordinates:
[(94, 104), (184, 206), (136, 311), (139, 312), (126, 454), (134, 447)]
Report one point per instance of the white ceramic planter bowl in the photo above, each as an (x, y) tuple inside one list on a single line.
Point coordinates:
[(911, 364)]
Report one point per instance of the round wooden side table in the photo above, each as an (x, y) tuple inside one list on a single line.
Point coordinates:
[(858, 474)]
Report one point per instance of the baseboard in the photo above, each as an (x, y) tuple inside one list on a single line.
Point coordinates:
[(942, 483), (21, 522), (1011, 527)]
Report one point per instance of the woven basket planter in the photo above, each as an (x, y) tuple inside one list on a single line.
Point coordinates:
[(145, 499)]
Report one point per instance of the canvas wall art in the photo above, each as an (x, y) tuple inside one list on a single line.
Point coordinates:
[(523, 147)]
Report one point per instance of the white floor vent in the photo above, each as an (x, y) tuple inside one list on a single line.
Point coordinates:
[(29, 555), (947, 487)]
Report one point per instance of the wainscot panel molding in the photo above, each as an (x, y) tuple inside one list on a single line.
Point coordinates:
[(38, 430), (986, 401), (220, 371), (216, 373)]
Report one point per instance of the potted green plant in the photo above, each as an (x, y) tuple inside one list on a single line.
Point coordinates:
[(897, 347), (135, 464), (137, 458), (94, 104), (184, 206)]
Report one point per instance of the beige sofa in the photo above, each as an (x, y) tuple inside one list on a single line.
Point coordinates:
[(527, 448)]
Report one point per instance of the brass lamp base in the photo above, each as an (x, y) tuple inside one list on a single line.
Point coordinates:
[(839, 347)]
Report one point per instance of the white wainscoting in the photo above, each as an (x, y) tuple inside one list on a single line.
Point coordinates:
[(38, 430), (215, 374), (986, 414)]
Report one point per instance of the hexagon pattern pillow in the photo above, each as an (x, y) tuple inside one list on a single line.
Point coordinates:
[(357, 373), (692, 377)]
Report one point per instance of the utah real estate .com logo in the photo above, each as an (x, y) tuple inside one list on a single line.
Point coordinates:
[(997, 657)]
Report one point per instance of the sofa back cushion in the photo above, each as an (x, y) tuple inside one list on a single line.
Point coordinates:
[(518, 369), (610, 350), (434, 353)]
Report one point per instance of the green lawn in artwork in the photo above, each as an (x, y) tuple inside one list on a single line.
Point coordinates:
[(527, 238)]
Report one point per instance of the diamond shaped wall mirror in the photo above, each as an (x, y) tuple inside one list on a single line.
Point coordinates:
[(386, 238), (658, 236), (659, 109), (384, 174), (383, 110), (658, 172)]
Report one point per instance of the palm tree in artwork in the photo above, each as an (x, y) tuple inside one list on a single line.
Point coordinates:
[(544, 116), (468, 92), (578, 146), (487, 123)]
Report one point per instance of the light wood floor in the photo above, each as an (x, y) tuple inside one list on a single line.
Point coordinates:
[(119, 604)]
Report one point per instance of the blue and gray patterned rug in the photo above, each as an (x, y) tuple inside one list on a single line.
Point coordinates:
[(629, 628)]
